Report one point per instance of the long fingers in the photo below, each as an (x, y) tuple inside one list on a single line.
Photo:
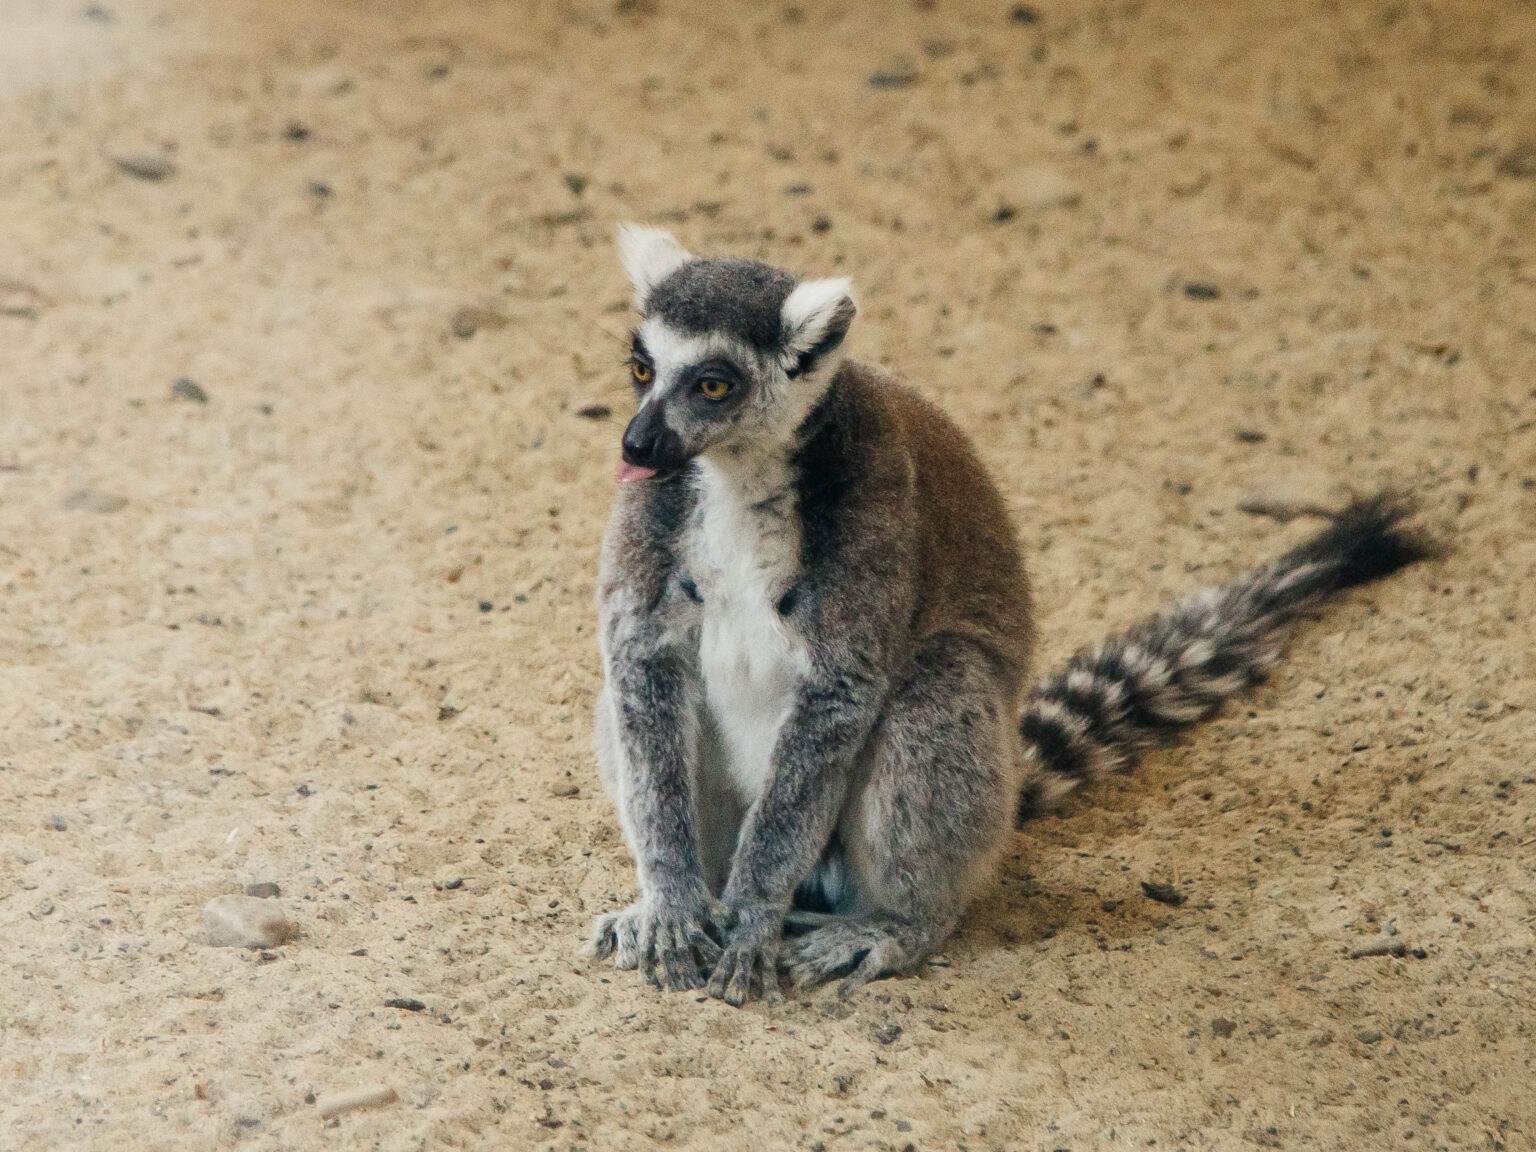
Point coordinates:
[(680, 971), (674, 952), (868, 969), (743, 971)]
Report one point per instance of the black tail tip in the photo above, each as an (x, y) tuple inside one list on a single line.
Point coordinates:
[(1371, 538)]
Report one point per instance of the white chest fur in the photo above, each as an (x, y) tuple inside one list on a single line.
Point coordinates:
[(744, 552)]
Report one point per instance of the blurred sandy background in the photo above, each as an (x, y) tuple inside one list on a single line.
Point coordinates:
[(330, 625)]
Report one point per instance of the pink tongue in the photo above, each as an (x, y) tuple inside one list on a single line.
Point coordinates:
[(627, 473)]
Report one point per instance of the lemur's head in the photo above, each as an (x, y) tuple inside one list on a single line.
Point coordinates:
[(727, 354)]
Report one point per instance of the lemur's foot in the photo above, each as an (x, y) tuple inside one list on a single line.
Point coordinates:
[(749, 964), (856, 950), (673, 943)]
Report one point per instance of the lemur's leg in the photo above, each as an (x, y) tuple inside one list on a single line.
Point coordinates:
[(719, 805), (924, 828)]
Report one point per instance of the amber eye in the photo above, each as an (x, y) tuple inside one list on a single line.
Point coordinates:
[(641, 371), (714, 389)]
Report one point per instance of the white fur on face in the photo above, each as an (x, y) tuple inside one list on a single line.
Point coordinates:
[(649, 256), (671, 351)]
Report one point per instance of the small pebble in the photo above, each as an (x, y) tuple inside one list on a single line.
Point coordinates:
[(467, 321), (375, 1096), (577, 184), (1163, 893), (1285, 500), (407, 1003), (1379, 948), (18, 298), (319, 189), (263, 890), (145, 166), (885, 1033), (1222, 1027), (1199, 291), (58, 823), (564, 790), (893, 78), (187, 388), (1041, 187), (1519, 162), (453, 885), (296, 131), (245, 922), (87, 500), (1368, 1037), (1250, 436)]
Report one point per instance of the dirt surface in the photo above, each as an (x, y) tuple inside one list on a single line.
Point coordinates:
[(322, 615)]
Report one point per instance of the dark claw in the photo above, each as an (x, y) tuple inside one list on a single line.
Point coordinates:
[(705, 947), (867, 970), (603, 940)]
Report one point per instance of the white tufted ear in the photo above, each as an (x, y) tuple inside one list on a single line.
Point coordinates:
[(649, 255), (815, 318)]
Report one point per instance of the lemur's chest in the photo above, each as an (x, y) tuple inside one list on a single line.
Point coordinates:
[(744, 555)]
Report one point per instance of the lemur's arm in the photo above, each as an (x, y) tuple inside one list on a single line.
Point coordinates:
[(654, 694), (854, 608), (655, 697)]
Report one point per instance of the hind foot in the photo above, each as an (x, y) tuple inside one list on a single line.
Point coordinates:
[(856, 950)]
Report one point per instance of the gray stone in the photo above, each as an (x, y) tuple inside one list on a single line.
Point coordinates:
[(245, 922), (187, 388), (145, 165)]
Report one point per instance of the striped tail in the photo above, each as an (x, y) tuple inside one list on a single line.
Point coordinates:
[(1111, 703)]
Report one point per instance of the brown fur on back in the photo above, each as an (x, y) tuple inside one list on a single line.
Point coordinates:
[(969, 579)]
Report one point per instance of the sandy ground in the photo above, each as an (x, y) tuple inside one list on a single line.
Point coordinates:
[(332, 627)]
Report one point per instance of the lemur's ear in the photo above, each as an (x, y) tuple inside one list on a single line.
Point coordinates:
[(814, 320), (649, 255)]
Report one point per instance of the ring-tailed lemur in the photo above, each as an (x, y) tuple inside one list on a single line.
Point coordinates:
[(816, 629)]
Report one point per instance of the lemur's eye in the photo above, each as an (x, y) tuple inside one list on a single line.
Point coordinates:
[(714, 389), (641, 371)]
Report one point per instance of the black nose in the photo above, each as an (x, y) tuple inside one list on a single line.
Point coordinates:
[(640, 442), (649, 443)]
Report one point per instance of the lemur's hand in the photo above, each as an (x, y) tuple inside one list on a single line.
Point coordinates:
[(749, 963), (672, 937)]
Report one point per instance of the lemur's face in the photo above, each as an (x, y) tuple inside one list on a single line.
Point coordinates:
[(727, 353)]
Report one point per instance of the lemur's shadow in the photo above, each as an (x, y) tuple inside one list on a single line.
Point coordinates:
[(1033, 898)]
